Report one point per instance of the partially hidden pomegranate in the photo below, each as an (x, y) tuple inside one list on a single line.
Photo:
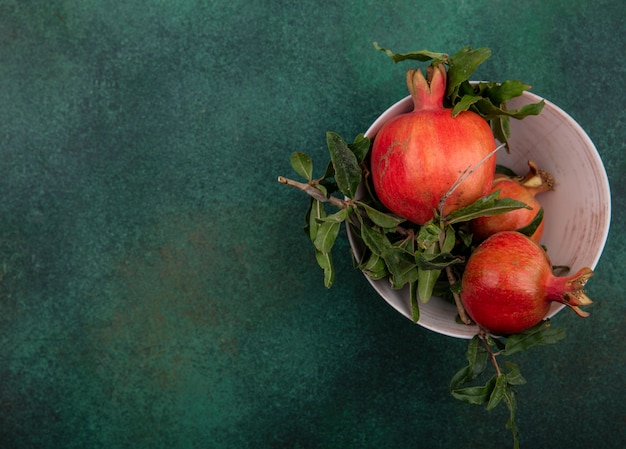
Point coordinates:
[(523, 189), (416, 157), (508, 284)]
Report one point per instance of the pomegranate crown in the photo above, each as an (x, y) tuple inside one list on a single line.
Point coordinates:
[(427, 93)]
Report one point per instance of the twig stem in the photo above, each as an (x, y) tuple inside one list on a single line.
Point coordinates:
[(492, 355), (313, 192)]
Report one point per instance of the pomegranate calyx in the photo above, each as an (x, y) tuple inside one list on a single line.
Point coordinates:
[(574, 294), (537, 180), (427, 93)]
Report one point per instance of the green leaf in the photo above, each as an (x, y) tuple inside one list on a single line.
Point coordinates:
[(315, 213), (531, 227), (338, 217), (325, 261), (374, 267), (400, 263), (505, 91), (502, 170), (347, 171), (477, 357), (498, 392), (360, 147), (427, 278), (379, 218), (401, 270), (490, 111), (421, 55), (488, 205), (539, 335), (475, 395), (436, 261), (428, 234), (449, 240), (302, 164), (374, 239), (463, 64), (415, 307), (511, 403), (326, 236), (501, 127), (514, 376), (464, 103)]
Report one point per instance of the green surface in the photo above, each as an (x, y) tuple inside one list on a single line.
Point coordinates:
[(157, 290)]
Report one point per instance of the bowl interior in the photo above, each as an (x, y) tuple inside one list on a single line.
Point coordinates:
[(577, 213)]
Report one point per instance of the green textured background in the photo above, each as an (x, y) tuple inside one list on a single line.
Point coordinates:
[(157, 290)]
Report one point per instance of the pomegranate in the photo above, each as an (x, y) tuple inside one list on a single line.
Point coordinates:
[(519, 188), (416, 157), (508, 284)]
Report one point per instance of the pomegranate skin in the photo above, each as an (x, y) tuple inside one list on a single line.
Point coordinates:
[(522, 189), (508, 284), (416, 157), (483, 227)]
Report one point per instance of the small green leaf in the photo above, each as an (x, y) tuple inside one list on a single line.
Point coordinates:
[(449, 240), (374, 239), (505, 91), (436, 261), (531, 227), (374, 267), (325, 261), (338, 217), (490, 111), (428, 234), (422, 55), (502, 170), (315, 213), (326, 236), (511, 403), (360, 147), (488, 205), (461, 376), (427, 278), (464, 103), (475, 395), (379, 218), (302, 164), (501, 127), (347, 171), (539, 335), (415, 307), (463, 64), (514, 376), (498, 392), (477, 357), (401, 270), (400, 263)]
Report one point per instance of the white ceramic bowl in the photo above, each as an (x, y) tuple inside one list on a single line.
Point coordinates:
[(577, 213)]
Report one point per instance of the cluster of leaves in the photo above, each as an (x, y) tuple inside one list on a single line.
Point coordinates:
[(484, 348), (488, 99), (405, 253)]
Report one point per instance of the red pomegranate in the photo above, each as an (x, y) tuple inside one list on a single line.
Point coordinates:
[(523, 189), (416, 157), (508, 284)]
